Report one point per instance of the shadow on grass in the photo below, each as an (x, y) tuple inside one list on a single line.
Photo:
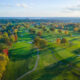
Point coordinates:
[(21, 54), (77, 51), (52, 71)]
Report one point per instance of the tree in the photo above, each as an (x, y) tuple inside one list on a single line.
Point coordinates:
[(15, 31), (0, 35), (60, 30), (41, 26), (62, 27), (70, 35), (63, 41), (40, 43), (32, 30), (43, 43), (27, 26), (16, 37), (56, 26), (9, 32), (48, 31), (12, 37), (67, 28), (44, 28), (58, 40), (52, 29), (75, 29), (36, 26), (2, 46), (3, 62), (6, 38), (5, 35), (66, 32), (39, 33), (5, 51), (79, 30), (36, 41)]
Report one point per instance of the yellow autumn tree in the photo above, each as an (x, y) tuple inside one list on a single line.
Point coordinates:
[(3, 63), (66, 32), (12, 37), (75, 29)]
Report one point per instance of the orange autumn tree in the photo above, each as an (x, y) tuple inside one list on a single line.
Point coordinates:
[(58, 40), (76, 29), (56, 26), (16, 37)]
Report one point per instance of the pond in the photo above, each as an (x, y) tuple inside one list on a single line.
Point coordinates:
[(30, 42)]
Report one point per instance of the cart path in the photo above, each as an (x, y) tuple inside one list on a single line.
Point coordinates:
[(36, 64)]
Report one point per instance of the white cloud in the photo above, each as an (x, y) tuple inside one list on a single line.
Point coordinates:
[(23, 5), (74, 8)]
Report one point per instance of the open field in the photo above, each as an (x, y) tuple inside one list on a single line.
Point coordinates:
[(55, 61)]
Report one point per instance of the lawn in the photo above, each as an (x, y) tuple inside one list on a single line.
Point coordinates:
[(56, 62), (22, 57)]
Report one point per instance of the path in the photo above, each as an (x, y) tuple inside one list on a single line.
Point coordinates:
[(36, 64)]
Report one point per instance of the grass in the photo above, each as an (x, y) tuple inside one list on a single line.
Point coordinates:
[(54, 63), (22, 58), (49, 68)]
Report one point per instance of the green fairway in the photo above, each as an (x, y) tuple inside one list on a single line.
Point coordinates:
[(21, 56), (56, 62)]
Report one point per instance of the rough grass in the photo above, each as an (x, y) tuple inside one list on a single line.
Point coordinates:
[(22, 58), (54, 63), (51, 69)]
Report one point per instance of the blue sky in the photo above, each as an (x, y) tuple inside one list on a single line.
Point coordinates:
[(40, 8)]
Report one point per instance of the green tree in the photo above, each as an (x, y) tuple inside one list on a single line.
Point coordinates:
[(64, 41), (40, 43)]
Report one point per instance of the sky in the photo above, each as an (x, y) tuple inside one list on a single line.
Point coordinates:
[(39, 8)]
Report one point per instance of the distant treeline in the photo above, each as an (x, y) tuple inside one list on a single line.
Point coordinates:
[(39, 20)]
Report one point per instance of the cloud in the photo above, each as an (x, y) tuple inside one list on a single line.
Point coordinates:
[(73, 8), (6, 5), (23, 5)]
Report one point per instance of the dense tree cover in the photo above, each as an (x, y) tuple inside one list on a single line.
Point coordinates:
[(3, 63), (8, 35)]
